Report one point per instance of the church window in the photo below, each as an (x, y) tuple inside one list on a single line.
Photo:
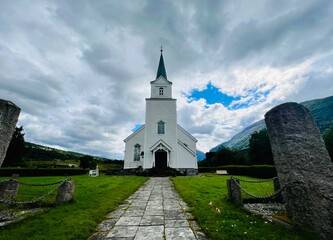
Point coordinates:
[(161, 91), (137, 152), (161, 127)]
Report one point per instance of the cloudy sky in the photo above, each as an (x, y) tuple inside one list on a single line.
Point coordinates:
[(80, 70)]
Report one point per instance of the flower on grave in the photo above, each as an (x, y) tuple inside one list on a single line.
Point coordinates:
[(217, 210), (210, 203)]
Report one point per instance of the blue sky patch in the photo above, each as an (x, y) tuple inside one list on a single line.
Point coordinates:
[(212, 95), (136, 126)]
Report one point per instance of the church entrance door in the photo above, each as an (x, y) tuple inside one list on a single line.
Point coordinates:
[(161, 159)]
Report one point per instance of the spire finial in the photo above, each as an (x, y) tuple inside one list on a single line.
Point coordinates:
[(161, 48)]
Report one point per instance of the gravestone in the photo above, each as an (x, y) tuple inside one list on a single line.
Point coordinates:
[(303, 166), (65, 192), (9, 114), (8, 190)]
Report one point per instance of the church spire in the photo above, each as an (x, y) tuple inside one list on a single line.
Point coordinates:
[(161, 69)]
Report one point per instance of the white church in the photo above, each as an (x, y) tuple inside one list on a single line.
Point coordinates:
[(161, 142)]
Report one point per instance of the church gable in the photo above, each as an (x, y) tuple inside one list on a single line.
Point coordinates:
[(186, 141), (160, 144), (141, 129), (186, 133), (187, 147)]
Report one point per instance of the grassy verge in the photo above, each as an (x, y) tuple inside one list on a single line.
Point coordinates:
[(207, 199), (94, 199)]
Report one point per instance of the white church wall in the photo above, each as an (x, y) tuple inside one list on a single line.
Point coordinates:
[(160, 110), (131, 141), (186, 159), (186, 138), (186, 147)]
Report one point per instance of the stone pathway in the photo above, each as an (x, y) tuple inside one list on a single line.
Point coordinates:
[(155, 211)]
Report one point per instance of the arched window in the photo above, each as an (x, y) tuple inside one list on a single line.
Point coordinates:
[(160, 127), (137, 152), (161, 91)]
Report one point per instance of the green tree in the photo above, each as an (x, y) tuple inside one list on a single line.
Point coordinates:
[(208, 162), (224, 156), (260, 151), (15, 149), (93, 164), (328, 138), (88, 162)]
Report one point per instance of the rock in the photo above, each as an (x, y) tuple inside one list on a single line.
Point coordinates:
[(9, 114), (65, 192), (303, 166)]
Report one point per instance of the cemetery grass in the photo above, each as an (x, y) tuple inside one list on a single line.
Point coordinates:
[(94, 198), (206, 197)]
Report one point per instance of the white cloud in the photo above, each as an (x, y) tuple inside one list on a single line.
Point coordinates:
[(80, 70)]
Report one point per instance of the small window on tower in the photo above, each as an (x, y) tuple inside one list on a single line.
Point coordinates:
[(160, 127), (161, 91)]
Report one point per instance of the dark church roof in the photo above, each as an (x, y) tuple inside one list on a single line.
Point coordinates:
[(161, 69)]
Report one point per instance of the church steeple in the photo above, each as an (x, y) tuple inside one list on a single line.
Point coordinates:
[(161, 87), (161, 69)]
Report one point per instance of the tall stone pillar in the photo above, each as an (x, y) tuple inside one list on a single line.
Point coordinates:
[(303, 167), (9, 114)]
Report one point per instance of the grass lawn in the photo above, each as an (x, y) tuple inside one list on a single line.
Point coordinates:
[(207, 198), (94, 198)]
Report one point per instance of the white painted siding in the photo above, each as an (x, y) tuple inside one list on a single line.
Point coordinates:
[(160, 110), (137, 137), (157, 84), (187, 157)]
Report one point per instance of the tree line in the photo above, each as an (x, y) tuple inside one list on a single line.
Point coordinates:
[(258, 153)]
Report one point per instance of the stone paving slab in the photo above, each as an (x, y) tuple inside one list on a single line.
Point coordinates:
[(154, 211), (179, 233)]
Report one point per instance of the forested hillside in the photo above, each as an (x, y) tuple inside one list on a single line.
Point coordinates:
[(38, 152)]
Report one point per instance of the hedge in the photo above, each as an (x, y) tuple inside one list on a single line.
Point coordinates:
[(29, 172), (259, 171)]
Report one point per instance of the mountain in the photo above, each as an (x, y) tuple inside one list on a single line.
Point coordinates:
[(241, 139), (321, 110), (200, 155)]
